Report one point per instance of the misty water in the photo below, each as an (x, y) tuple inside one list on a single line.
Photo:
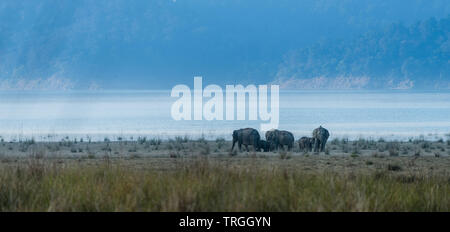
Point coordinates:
[(51, 116)]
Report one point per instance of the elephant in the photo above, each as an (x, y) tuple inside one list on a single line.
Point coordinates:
[(306, 144), (247, 136), (266, 145), (271, 134), (320, 136), (280, 138)]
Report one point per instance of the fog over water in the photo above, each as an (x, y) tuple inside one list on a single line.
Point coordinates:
[(98, 114)]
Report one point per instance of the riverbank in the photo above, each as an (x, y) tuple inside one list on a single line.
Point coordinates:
[(200, 175)]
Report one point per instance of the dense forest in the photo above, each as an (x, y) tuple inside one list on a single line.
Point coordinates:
[(398, 56)]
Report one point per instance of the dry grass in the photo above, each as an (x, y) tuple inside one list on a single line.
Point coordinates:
[(202, 184), (200, 175)]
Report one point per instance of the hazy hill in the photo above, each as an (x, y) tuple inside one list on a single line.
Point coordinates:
[(58, 44), (395, 57)]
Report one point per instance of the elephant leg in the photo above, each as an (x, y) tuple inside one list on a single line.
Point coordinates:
[(316, 145), (232, 147), (246, 147), (323, 144), (240, 146)]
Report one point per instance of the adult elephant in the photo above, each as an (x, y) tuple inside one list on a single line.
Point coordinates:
[(280, 138), (320, 136), (246, 136)]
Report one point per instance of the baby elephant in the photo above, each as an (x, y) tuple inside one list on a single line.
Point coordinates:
[(266, 146), (306, 144)]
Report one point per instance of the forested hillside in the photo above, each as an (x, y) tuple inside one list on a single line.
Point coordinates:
[(398, 56), (55, 44)]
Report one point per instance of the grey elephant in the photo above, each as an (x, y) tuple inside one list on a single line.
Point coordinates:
[(320, 136), (266, 146), (306, 144), (247, 136), (280, 138)]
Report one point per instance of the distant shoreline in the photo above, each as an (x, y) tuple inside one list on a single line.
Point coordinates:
[(183, 146), (136, 137)]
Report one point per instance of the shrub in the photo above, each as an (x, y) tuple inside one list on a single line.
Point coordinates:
[(393, 152), (134, 156), (394, 167), (205, 149), (142, 140), (417, 153), (155, 141), (133, 149), (180, 139)]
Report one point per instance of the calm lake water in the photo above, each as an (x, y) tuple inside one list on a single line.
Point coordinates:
[(347, 114)]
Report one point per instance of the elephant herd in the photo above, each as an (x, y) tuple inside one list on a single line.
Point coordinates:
[(276, 139)]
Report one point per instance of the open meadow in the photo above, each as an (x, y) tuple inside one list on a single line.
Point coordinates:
[(200, 175)]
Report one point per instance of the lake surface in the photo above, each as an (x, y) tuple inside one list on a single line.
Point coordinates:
[(96, 115)]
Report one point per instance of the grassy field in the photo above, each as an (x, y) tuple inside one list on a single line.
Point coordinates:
[(203, 175)]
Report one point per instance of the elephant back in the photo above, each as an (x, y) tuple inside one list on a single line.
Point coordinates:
[(286, 136), (250, 136), (271, 135), (320, 133), (304, 140)]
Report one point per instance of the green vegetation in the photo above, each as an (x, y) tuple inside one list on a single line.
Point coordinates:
[(181, 174), (203, 185)]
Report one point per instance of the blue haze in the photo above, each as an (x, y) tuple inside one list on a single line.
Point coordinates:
[(99, 114), (157, 44), (387, 61)]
